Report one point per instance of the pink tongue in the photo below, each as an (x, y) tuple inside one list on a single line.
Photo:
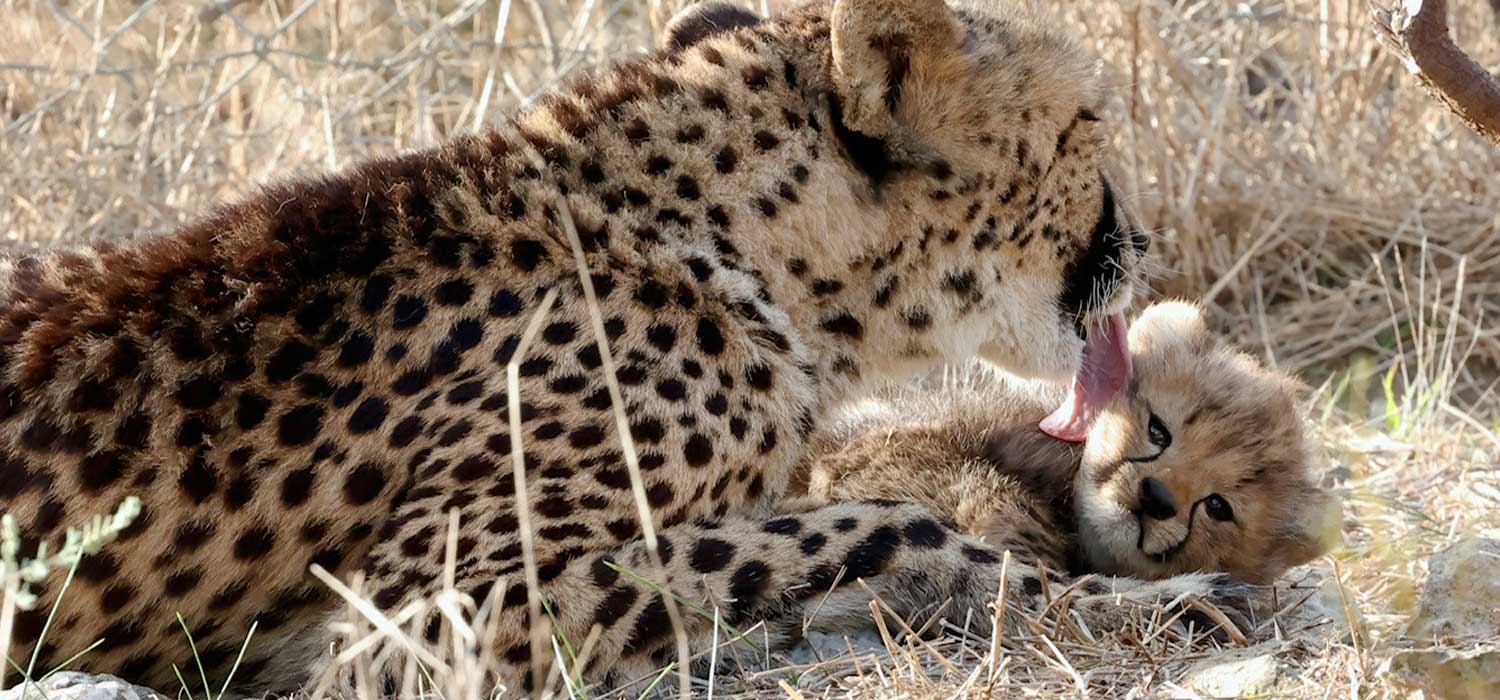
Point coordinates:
[(1106, 369)]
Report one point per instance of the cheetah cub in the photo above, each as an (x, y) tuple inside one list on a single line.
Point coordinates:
[(1199, 465)]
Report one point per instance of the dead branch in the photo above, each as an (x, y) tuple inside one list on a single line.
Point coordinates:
[(1418, 31)]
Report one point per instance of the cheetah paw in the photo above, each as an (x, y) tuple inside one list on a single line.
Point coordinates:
[(1220, 606)]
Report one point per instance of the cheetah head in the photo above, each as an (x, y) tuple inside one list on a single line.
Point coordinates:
[(999, 121), (973, 205), (1201, 464)]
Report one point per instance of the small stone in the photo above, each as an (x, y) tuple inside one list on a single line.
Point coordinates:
[(1238, 673), (1458, 599), (1453, 641), (71, 685)]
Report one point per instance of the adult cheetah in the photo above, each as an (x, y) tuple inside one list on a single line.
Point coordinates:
[(774, 215)]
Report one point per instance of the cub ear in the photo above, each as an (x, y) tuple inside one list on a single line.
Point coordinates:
[(699, 21), (1315, 530), (890, 53), (1171, 324)]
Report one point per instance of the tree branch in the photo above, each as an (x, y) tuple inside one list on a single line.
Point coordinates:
[(1418, 31)]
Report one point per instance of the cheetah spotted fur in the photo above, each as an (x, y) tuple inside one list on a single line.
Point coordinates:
[(775, 215)]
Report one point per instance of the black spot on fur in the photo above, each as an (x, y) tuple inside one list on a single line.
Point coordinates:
[(406, 431), (300, 425), (759, 377), (296, 488), (615, 606), (92, 396), (698, 451), (356, 350), (873, 553), (826, 287), (113, 599), (783, 526), (979, 556), (746, 586), (710, 555), (652, 625), (844, 324), (363, 484), (926, 533), (505, 304), (287, 361), (199, 480), (671, 389), (408, 311), (586, 437), (254, 543), (812, 543), (527, 254), (95, 472), (369, 416), (199, 392), (662, 337), (765, 140), (455, 292), (651, 294), (559, 333), (181, 583)]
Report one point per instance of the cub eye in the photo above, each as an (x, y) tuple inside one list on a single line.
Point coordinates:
[(1157, 433), (1218, 508)]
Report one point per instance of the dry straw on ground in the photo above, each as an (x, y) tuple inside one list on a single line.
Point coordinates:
[(1331, 215)]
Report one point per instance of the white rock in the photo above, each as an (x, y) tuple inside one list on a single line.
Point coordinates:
[(70, 685), (1454, 639), (1459, 598), (1454, 674), (1237, 673)]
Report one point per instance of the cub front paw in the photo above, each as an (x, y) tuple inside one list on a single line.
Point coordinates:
[(1221, 606)]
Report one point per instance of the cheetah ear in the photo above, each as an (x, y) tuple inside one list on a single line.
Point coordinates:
[(699, 21), (895, 63), (1315, 530)]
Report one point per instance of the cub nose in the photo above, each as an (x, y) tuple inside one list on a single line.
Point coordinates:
[(1156, 500)]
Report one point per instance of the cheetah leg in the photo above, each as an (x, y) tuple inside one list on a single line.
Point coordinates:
[(772, 579)]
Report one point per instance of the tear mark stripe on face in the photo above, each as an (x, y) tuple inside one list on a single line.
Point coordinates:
[(1096, 274)]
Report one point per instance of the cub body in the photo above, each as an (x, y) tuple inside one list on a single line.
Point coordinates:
[(1200, 465)]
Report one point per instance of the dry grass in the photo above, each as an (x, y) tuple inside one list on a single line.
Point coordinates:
[(1329, 213)]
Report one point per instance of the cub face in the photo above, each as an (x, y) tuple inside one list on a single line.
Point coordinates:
[(974, 146), (1201, 464)]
